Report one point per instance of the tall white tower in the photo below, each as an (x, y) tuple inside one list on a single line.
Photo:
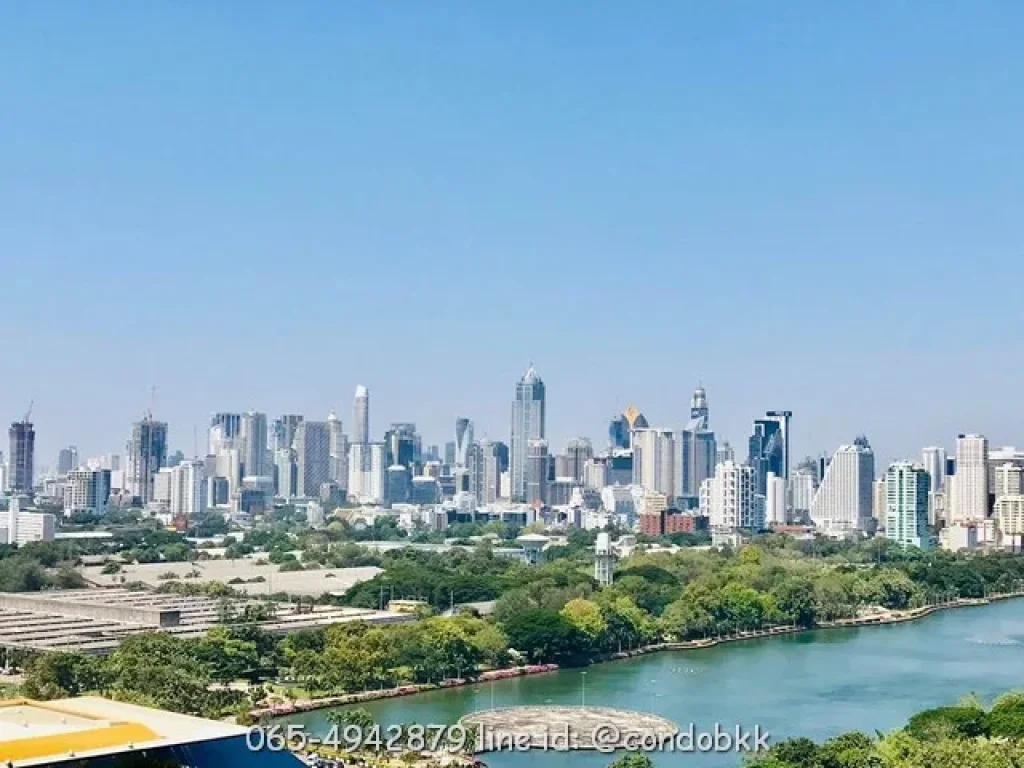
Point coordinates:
[(844, 498), (968, 497), (933, 459), (604, 559), (361, 416)]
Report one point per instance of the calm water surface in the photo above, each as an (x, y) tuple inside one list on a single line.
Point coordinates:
[(815, 684)]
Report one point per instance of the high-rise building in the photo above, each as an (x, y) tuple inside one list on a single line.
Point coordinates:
[(361, 416), (67, 459), (803, 484), (21, 461), (528, 424), (87, 490), (338, 451), (907, 487), (999, 457), (253, 434), (724, 453), (578, 452), (449, 453), (284, 431), (934, 461), (225, 429), (377, 473), (844, 500), (463, 439), (399, 484), (147, 455), (654, 466), (879, 502), (967, 496), (188, 484), (774, 500), (620, 431), (537, 460), (732, 500), (484, 471), (285, 477), (404, 446), (312, 457), (1009, 480), (697, 449), (768, 447)]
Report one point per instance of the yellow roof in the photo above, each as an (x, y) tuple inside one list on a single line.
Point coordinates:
[(37, 733)]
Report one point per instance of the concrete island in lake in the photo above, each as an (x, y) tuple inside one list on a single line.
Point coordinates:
[(563, 728)]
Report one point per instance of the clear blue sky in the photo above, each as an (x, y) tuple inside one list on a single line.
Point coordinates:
[(805, 205)]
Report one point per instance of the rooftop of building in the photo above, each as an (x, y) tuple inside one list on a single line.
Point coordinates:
[(97, 620), (47, 733)]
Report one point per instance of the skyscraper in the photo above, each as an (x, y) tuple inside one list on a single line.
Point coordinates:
[(284, 431), (934, 461), (578, 452), (21, 462), (338, 451), (361, 416), (697, 449), (967, 499), (537, 460), (463, 439), (254, 444), (225, 429), (528, 424), (844, 499), (620, 430), (654, 453), (768, 447), (147, 454), (67, 459), (312, 457), (906, 520)]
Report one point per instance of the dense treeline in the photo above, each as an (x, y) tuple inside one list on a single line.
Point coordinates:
[(962, 736)]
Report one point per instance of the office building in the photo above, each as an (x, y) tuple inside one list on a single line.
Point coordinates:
[(283, 434), (732, 500), (285, 475), (21, 458), (578, 452), (537, 471), (23, 527), (768, 447), (147, 454), (67, 459), (463, 439), (225, 431), (620, 431), (654, 465), (933, 459), (312, 457), (698, 451), (967, 497), (399, 484), (906, 522), (1009, 516), (404, 446), (449, 453), (253, 440), (844, 500), (338, 449), (724, 453), (361, 416), (528, 425), (87, 491)]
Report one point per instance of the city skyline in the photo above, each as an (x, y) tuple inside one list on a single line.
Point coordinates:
[(815, 206)]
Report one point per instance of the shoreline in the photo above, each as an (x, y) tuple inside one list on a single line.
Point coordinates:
[(891, 617)]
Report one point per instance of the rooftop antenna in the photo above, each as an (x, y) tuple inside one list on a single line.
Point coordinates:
[(152, 401), (195, 442), (28, 413)]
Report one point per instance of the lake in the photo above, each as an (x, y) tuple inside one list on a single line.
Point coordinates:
[(816, 684)]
